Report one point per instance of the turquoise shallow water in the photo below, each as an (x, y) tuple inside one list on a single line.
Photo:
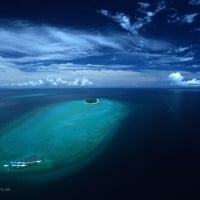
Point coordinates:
[(62, 137), (153, 152)]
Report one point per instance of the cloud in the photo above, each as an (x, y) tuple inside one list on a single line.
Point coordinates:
[(85, 78), (194, 81), (97, 78), (194, 2), (122, 19), (144, 5), (178, 79), (182, 49), (154, 52), (32, 48), (53, 82), (34, 55), (23, 43), (148, 13), (189, 18), (133, 27), (176, 17), (185, 59)]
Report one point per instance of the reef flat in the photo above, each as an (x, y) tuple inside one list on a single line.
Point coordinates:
[(58, 139)]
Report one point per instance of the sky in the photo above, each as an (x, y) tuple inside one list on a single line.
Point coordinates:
[(92, 43)]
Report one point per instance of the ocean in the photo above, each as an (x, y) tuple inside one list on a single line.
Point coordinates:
[(152, 153)]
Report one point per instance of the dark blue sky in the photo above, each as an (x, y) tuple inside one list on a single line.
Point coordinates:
[(99, 43)]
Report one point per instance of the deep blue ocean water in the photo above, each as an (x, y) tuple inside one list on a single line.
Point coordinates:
[(155, 153)]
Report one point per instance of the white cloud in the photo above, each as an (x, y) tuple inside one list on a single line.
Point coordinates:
[(23, 43), (85, 78), (148, 14), (178, 79), (40, 56), (104, 12), (53, 82), (85, 82), (144, 5), (189, 18), (194, 81), (137, 40), (125, 22), (194, 2), (181, 49), (122, 19), (175, 17), (40, 48), (185, 59), (97, 78)]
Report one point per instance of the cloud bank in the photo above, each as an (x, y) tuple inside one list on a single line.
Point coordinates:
[(54, 82), (178, 79), (33, 55)]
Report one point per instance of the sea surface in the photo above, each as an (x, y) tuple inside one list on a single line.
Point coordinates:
[(154, 153)]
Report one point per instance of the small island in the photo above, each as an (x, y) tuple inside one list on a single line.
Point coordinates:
[(91, 101)]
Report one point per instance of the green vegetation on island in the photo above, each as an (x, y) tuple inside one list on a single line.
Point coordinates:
[(91, 101)]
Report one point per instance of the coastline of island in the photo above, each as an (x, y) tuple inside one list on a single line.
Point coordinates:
[(91, 101)]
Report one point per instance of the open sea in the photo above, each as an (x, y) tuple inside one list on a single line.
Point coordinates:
[(153, 153)]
